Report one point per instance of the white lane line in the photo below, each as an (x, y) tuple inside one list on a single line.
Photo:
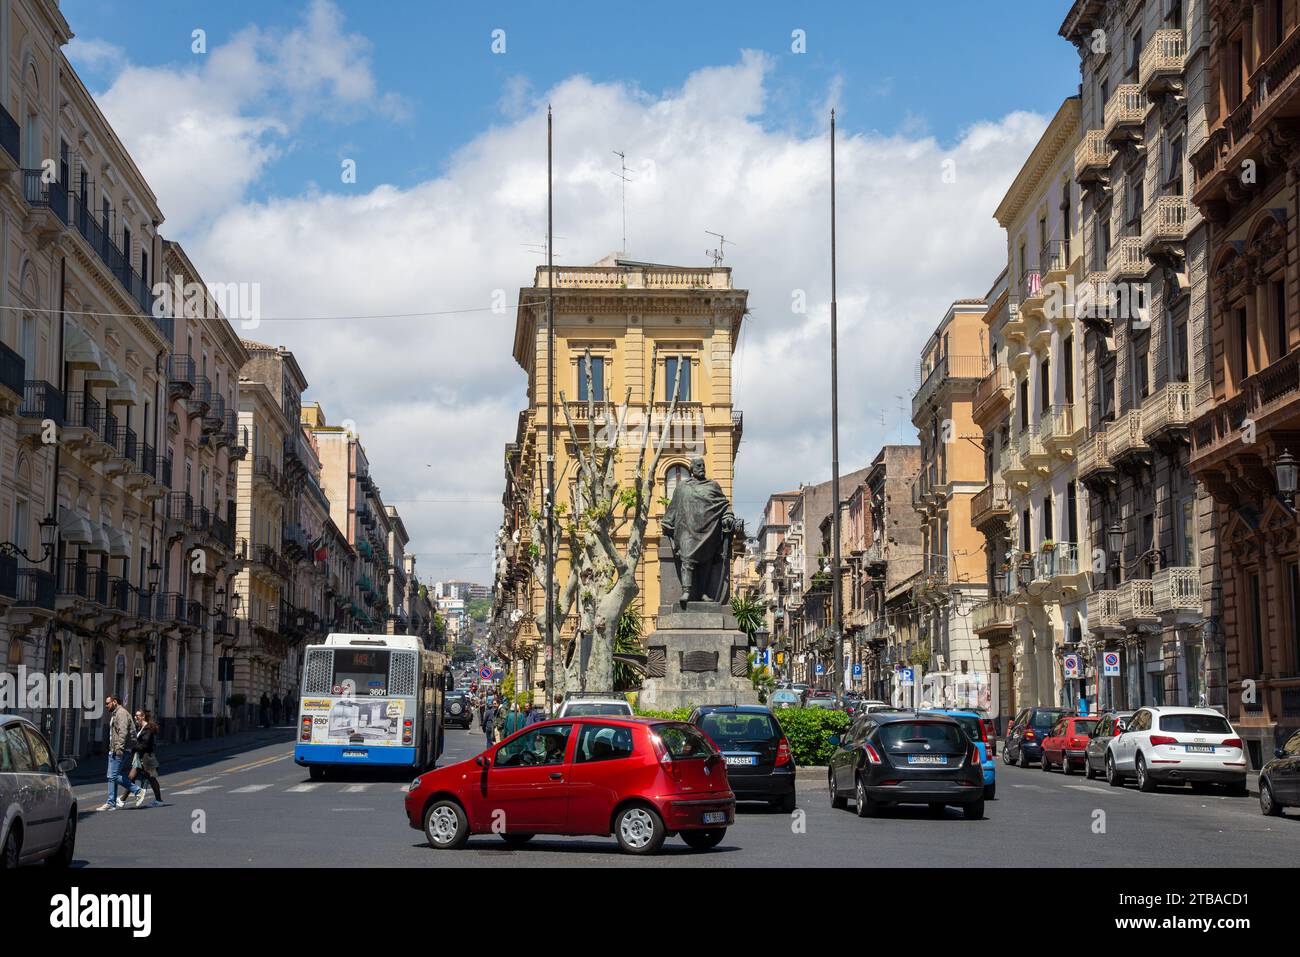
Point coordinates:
[(299, 788), (200, 789), (356, 788), (1031, 787), (250, 789)]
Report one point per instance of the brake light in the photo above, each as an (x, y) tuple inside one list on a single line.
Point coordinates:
[(872, 756), (408, 730), (1029, 734), (975, 756), (305, 734), (783, 753), (1159, 739), (1231, 743)]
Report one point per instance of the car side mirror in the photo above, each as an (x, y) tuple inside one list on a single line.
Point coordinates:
[(68, 765), (1279, 753), (834, 740), (482, 760)]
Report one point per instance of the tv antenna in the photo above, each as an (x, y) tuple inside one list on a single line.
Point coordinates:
[(720, 253), (538, 249), (622, 175)]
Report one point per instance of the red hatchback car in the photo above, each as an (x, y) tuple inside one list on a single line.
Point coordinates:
[(1067, 743), (640, 779)]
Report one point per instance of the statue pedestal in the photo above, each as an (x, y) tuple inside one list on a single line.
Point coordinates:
[(697, 656)]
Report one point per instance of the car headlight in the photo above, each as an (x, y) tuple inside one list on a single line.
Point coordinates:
[(413, 785)]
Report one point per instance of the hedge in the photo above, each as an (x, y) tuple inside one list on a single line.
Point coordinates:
[(807, 730)]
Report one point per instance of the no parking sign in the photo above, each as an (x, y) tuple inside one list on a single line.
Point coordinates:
[(1071, 666), (1110, 664)]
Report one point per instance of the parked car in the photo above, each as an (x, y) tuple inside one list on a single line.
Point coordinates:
[(586, 704), (874, 707), (976, 729), (1094, 758), (1025, 736), (785, 698), (759, 764), (823, 703), (1279, 779), (1066, 744), (38, 811), (456, 709), (906, 758), (1161, 745), (640, 779)]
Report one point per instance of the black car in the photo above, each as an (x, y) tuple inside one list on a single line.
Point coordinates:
[(759, 764), (457, 710), (901, 757), (1279, 779), (1024, 741)]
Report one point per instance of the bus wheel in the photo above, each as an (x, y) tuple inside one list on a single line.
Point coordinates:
[(317, 772)]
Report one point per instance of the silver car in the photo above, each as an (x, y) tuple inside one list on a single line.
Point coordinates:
[(38, 813)]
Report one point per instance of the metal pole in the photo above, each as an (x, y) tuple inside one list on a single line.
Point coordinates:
[(836, 608), (550, 424)]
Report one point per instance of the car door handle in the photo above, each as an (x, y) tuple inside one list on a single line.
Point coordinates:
[(557, 776)]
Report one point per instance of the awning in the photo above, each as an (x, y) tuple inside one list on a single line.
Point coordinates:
[(74, 528), (125, 394), (98, 544), (107, 375), (118, 546), (80, 351)]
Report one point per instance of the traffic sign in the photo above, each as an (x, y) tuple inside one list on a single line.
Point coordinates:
[(1110, 664), (485, 673), (906, 677), (821, 669), (857, 669), (1071, 663)]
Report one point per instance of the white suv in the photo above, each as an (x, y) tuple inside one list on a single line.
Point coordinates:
[(1196, 746), (585, 704)]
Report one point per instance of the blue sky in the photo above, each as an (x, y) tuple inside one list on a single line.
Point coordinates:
[(724, 125)]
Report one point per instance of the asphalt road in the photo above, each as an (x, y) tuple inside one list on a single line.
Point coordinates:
[(258, 809)]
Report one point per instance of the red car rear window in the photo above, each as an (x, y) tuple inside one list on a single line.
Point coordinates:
[(683, 741)]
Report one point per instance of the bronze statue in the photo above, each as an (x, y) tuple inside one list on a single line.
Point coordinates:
[(699, 523)]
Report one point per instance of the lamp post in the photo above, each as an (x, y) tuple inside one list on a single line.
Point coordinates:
[(49, 528), (1284, 468)]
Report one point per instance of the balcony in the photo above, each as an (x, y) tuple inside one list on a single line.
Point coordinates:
[(1092, 158), (90, 224), (994, 614), (84, 428), (1135, 602), (294, 542), (992, 395), (179, 513), (1103, 612), (1167, 412), (1031, 293), (180, 376), (200, 399), (1056, 259), (41, 402), (948, 370), (1125, 113), (1164, 226), (1018, 354), (1060, 429), (1016, 326), (214, 418), (35, 591), (1126, 260), (1061, 565), (12, 370), (1161, 64), (1094, 458), (1032, 451), (990, 504), (1013, 469), (1177, 590), (1268, 399), (49, 206), (1124, 441), (265, 469)]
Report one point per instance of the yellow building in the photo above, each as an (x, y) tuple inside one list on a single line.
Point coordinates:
[(628, 315)]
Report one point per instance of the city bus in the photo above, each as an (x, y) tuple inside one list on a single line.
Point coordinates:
[(370, 701)]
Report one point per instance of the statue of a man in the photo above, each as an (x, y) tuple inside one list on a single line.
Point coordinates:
[(699, 523)]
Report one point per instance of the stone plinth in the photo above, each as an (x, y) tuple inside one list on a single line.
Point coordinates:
[(697, 656)]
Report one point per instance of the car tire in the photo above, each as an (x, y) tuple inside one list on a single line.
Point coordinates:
[(62, 858), (1267, 805), (639, 829), (787, 804), (974, 811), (445, 826), (12, 851), (838, 801), (517, 840), (1023, 759), (1043, 763), (317, 772), (865, 806), (1006, 755), (1067, 768), (1088, 773), (991, 791), (1146, 783), (704, 840), (1113, 777)]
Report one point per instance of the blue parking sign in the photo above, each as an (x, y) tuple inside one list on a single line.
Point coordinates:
[(821, 670), (857, 669)]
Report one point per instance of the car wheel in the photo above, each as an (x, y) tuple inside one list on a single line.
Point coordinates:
[(1066, 767), (787, 804), (1024, 759), (1006, 755), (317, 772), (1145, 781), (517, 840), (63, 856), (446, 826), (1112, 773), (991, 791), (1088, 772), (639, 830), (1043, 763), (1267, 806), (10, 853), (838, 801), (973, 811), (866, 807), (704, 840)]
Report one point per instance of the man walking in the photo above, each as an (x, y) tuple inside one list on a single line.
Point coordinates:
[(120, 732), (489, 719)]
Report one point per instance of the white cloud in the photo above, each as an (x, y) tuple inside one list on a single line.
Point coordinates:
[(446, 391)]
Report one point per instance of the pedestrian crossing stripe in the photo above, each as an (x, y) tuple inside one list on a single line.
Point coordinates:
[(299, 788), (250, 788), (200, 789)]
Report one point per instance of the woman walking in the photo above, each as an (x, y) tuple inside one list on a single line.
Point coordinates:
[(145, 762)]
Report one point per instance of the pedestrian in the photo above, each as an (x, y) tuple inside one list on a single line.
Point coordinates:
[(290, 712), (119, 742), (559, 700), (145, 762), (488, 721), (275, 708), (264, 710), (499, 722), (534, 715), (514, 719)]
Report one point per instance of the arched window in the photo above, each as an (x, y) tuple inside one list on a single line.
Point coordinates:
[(672, 476)]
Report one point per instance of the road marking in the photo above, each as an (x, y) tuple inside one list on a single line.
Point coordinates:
[(1031, 787), (299, 788), (199, 790), (250, 789), (259, 763), (356, 788)]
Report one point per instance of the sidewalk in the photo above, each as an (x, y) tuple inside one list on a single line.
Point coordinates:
[(188, 754)]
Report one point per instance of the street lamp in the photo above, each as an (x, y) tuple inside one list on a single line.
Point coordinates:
[(1115, 538), (155, 573), (49, 528), (762, 637), (1285, 470)]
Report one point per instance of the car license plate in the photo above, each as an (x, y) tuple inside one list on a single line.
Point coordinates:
[(927, 759), (354, 754), (715, 817), (741, 759), (1200, 748)]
